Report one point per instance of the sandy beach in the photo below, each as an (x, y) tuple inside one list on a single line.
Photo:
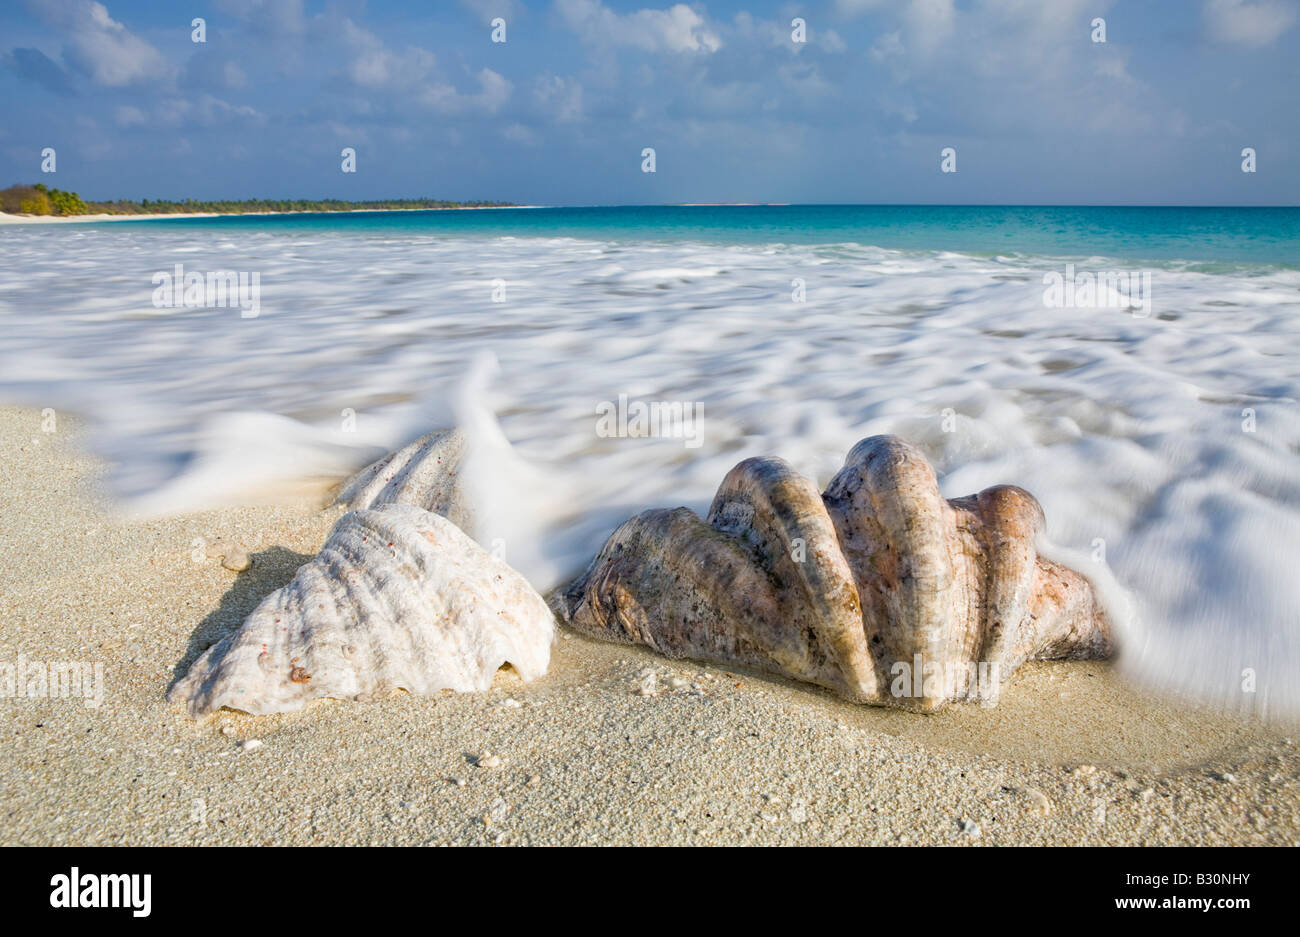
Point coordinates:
[(73, 219), (1071, 755), (6, 218)]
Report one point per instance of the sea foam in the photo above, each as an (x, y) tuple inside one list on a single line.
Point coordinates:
[(1165, 448)]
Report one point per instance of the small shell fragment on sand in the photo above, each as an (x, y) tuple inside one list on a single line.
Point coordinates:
[(647, 684), (1041, 804), (233, 555), (398, 598)]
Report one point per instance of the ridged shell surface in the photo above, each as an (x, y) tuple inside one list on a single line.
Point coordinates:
[(398, 598), (425, 473), (878, 589)]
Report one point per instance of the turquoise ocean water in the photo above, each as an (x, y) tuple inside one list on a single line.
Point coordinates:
[(1202, 235)]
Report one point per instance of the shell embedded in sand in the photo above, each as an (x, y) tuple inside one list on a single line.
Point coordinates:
[(397, 598), (878, 589), (425, 473), (233, 555)]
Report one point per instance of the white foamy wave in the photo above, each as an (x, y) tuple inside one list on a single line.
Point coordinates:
[(1165, 449)]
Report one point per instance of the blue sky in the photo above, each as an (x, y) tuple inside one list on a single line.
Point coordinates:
[(736, 111)]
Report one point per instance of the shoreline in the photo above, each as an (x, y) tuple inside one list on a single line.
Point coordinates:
[(7, 219), (1071, 754)]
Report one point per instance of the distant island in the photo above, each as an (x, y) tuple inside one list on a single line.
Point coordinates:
[(38, 199)]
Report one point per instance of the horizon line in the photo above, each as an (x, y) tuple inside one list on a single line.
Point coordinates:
[(499, 205)]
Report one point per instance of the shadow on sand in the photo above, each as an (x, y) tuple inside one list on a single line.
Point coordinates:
[(272, 569)]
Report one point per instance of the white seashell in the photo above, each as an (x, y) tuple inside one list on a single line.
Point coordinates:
[(426, 474), (397, 598)]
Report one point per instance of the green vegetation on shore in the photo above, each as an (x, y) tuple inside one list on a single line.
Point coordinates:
[(39, 200)]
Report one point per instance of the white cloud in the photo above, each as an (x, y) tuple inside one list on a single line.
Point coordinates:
[(127, 116), (275, 17), (203, 111), (494, 91), (926, 23), (383, 68), (829, 40), (677, 29), (374, 66), (518, 133), (212, 73), (777, 33), (939, 53), (886, 47), (857, 7), (1249, 22), (233, 75), (931, 21), (806, 81), (560, 97), (1113, 67), (99, 46), (989, 37)]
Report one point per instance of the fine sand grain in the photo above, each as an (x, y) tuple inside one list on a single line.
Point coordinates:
[(1070, 755)]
